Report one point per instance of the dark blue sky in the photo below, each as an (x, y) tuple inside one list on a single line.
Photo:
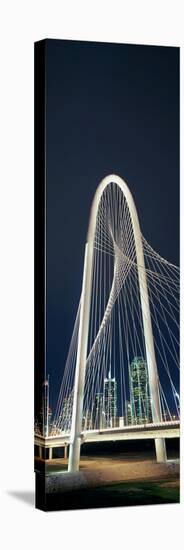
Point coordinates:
[(109, 109)]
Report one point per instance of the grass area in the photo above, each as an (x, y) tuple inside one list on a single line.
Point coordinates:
[(116, 494), (144, 491)]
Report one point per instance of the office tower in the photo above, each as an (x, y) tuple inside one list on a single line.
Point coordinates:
[(110, 401), (139, 392), (98, 413), (66, 413)]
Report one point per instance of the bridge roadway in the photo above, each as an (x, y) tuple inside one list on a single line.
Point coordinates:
[(170, 429)]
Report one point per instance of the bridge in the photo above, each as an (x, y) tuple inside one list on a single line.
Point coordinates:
[(123, 359), (148, 431)]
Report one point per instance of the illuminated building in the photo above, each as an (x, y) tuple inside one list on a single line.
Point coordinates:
[(140, 406), (98, 411), (66, 413), (110, 400), (87, 423)]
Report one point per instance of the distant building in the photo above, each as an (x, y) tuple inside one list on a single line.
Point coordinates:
[(98, 413), (110, 401), (65, 419), (139, 408), (128, 413), (121, 421), (43, 424), (87, 421), (118, 422)]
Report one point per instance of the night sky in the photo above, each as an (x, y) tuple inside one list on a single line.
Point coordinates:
[(110, 108)]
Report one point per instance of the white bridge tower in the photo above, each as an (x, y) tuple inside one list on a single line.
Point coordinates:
[(76, 428)]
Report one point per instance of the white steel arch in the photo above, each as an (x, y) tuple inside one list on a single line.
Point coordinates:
[(76, 428)]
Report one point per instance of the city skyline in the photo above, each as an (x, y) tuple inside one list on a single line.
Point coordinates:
[(104, 413)]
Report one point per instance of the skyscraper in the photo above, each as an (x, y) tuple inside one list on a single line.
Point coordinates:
[(110, 400), (140, 405), (87, 421), (66, 413), (128, 413), (98, 414)]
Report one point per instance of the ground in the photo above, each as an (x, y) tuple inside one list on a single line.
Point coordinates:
[(122, 479)]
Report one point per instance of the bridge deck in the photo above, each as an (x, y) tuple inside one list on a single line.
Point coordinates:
[(148, 431)]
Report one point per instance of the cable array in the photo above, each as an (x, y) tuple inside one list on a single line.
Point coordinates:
[(117, 380)]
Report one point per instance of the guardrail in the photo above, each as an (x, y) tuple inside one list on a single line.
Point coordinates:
[(128, 428)]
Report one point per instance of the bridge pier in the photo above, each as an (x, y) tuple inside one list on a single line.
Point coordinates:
[(74, 455), (160, 448), (50, 453)]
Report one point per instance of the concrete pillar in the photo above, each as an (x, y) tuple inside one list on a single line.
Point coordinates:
[(76, 428), (50, 453), (40, 451), (65, 451), (160, 447)]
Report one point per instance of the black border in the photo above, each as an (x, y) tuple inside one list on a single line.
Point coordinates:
[(39, 239)]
